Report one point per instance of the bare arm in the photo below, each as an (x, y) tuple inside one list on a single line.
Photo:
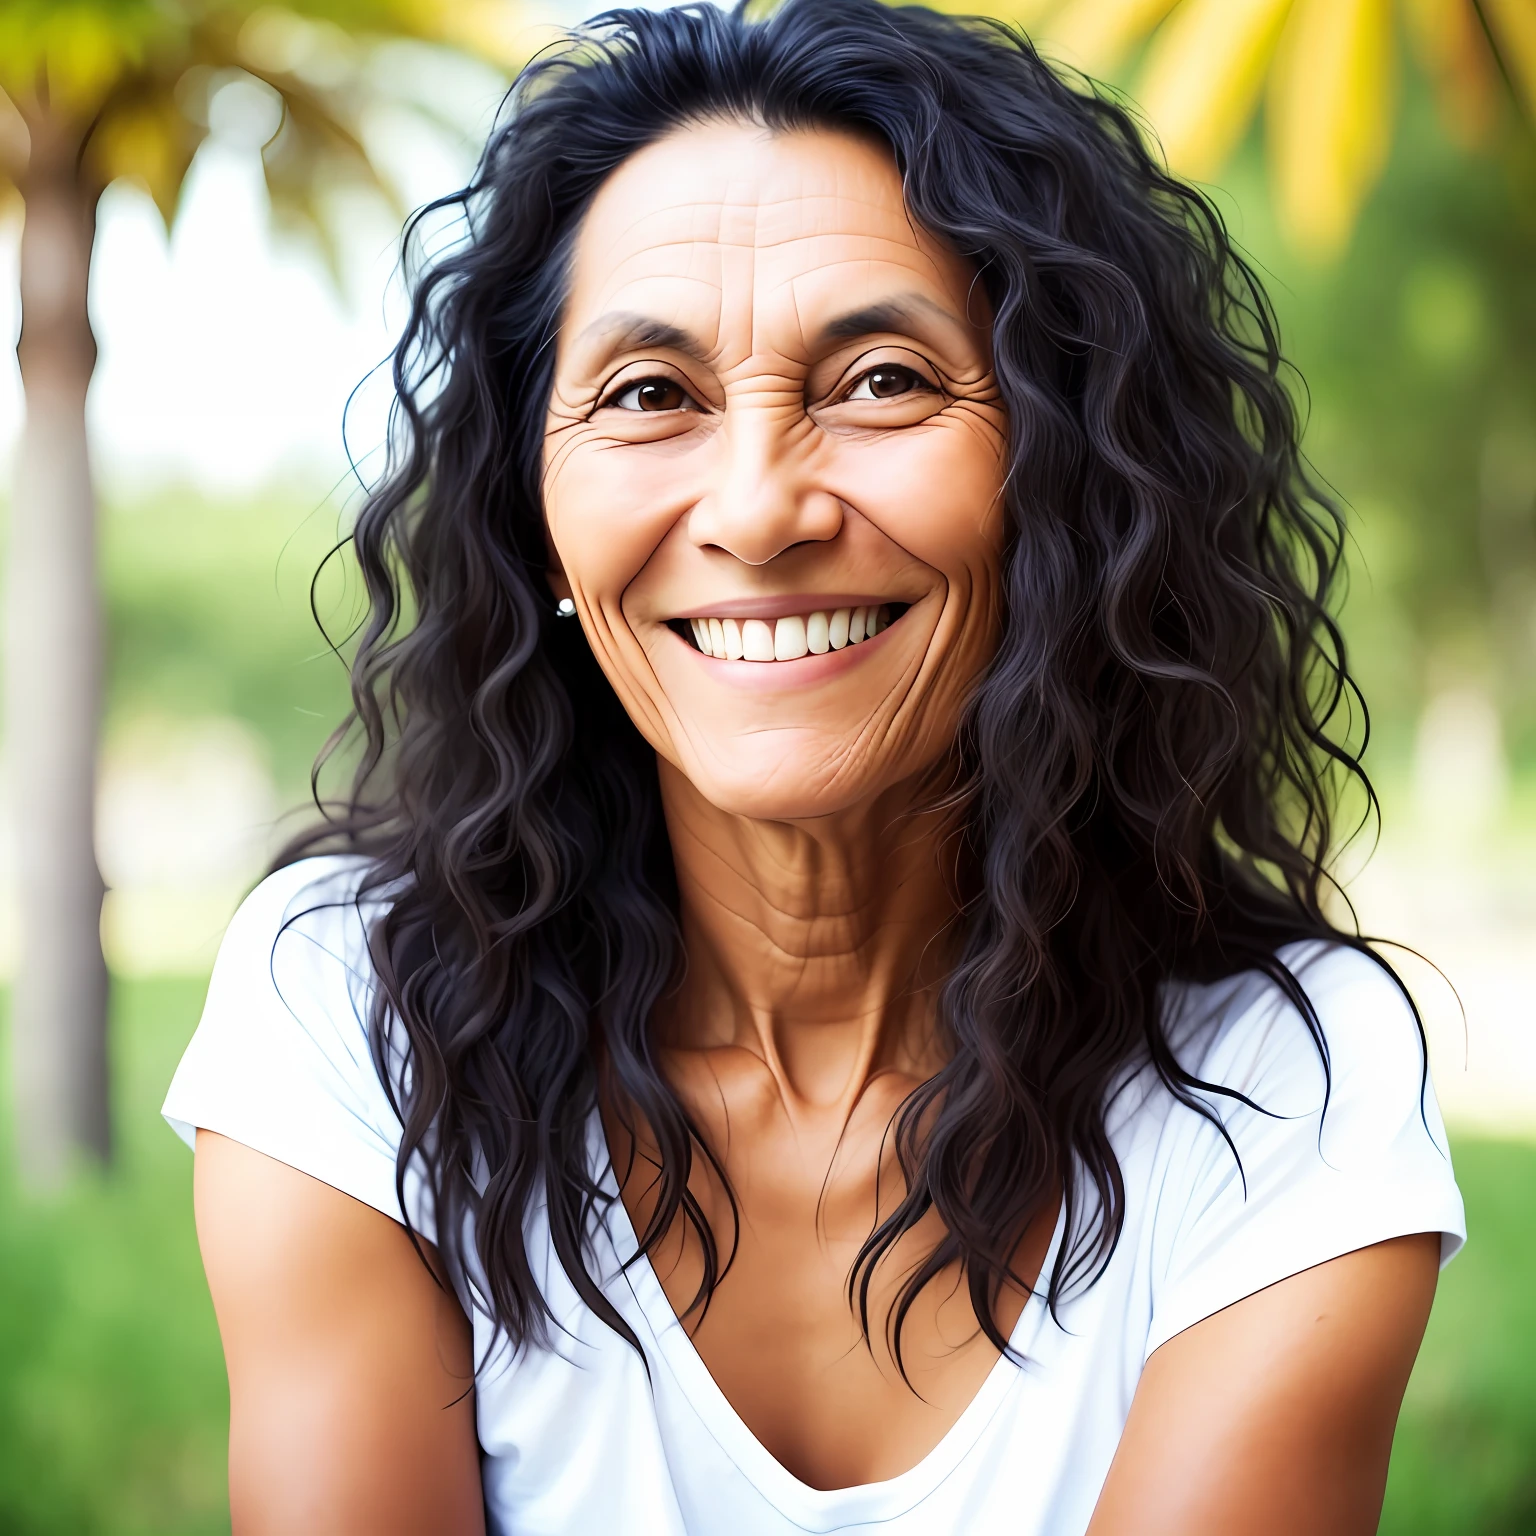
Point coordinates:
[(350, 1370), (1276, 1415)]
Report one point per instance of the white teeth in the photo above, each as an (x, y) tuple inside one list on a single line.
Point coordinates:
[(756, 641), (791, 637)]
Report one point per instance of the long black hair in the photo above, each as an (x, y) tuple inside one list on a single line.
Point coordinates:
[(1154, 754)]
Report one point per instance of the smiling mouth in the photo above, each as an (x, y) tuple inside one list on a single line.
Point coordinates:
[(791, 637)]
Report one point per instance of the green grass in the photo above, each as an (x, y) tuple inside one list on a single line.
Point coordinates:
[(1465, 1457), (113, 1407), (113, 1410)]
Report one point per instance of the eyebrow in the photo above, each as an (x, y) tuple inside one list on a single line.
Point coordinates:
[(624, 331), (887, 315)]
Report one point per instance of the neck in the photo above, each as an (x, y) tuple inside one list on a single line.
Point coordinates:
[(816, 945)]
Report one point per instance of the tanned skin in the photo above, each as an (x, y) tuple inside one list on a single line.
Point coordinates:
[(351, 1401), (716, 446)]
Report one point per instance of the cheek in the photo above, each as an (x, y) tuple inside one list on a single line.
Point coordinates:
[(604, 521), (936, 491)]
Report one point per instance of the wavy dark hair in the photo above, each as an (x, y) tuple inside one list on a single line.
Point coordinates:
[(1154, 754)]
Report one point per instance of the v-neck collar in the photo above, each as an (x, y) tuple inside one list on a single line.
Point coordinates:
[(812, 1509)]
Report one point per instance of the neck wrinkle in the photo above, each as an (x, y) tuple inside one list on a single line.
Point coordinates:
[(817, 946)]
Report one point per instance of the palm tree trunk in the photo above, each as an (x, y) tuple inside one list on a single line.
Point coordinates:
[(53, 682)]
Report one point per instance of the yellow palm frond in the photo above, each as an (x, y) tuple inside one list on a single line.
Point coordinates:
[(1028, 14), (494, 30), (1329, 69), (1513, 24), (1093, 35), (133, 81), (1452, 50), (1330, 115), (1204, 73), (68, 55)]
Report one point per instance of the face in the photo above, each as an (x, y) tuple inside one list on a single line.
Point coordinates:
[(773, 467)]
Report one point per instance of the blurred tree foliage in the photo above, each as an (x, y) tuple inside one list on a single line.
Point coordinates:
[(1326, 71), (208, 609), (93, 91), (1378, 159), (1418, 351)]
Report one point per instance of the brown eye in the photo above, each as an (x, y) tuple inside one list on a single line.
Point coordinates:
[(886, 382), (651, 395)]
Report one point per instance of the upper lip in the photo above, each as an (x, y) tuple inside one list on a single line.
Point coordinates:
[(782, 607)]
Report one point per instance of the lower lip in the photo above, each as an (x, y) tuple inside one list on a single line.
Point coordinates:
[(803, 672)]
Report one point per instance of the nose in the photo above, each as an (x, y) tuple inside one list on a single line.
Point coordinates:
[(762, 499)]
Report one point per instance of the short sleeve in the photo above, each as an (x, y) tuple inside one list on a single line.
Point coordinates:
[(281, 1060), (1305, 1184)]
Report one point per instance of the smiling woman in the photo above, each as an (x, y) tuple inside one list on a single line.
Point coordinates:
[(815, 358), (818, 1013)]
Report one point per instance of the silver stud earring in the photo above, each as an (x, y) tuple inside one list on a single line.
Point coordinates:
[(566, 607)]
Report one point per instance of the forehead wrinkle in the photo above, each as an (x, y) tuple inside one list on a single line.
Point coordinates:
[(687, 243), (766, 185), (749, 222), (884, 239), (625, 294), (765, 206), (827, 213), (763, 230), (703, 206), (738, 276), (871, 249), (700, 267)]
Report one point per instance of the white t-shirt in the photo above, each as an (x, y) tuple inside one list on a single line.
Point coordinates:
[(577, 1439)]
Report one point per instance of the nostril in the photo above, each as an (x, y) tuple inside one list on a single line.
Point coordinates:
[(762, 516)]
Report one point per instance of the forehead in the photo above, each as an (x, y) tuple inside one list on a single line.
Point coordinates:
[(722, 222)]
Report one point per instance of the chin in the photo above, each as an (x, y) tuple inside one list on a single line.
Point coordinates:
[(794, 786)]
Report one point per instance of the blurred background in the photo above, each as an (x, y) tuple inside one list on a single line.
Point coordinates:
[(200, 205)]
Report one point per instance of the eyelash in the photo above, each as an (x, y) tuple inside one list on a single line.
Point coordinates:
[(922, 384), (623, 389)]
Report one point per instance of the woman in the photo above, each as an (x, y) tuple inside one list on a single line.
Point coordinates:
[(819, 1012)]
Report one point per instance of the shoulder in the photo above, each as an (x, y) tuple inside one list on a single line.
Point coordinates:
[(1311, 1130), (1328, 1023), (295, 958), (315, 905), (283, 1058)]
